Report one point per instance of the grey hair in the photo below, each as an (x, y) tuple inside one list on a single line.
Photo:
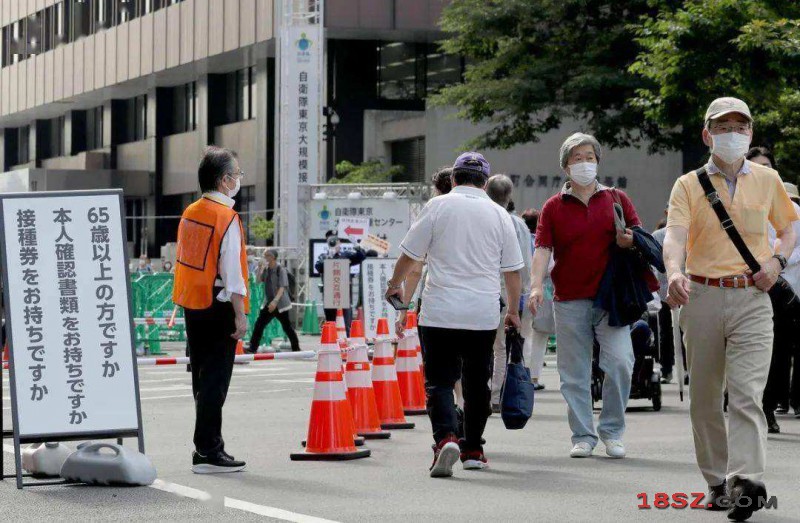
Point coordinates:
[(499, 188), (576, 140)]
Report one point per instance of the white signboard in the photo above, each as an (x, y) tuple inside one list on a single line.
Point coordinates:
[(375, 272), (388, 219), (73, 368), (299, 114), (353, 228), (319, 249), (336, 284)]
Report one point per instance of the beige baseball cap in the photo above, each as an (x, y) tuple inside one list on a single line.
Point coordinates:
[(726, 105), (791, 190)]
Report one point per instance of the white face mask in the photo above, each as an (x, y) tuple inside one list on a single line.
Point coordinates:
[(233, 192), (730, 147), (583, 173)]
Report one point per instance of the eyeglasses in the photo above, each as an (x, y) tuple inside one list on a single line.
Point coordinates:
[(740, 128), (234, 176)]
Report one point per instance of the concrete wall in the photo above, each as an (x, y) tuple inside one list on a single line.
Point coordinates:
[(133, 183), (241, 137), (179, 34), (383, 127), (136, 156), (84, 160), (182, 153), (649, 177)]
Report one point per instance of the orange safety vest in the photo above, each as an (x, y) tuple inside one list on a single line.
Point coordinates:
[(200, 233)]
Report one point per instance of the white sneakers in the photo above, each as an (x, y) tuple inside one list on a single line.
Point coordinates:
[(581, 450), (614, 449), (444, 460)]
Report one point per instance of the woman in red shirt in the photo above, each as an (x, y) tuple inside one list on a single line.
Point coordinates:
[(576, 227)]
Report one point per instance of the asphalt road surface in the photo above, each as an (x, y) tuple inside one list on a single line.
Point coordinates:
[(530, 478)]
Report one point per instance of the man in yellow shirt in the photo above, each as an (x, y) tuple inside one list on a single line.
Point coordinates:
[(727, 314)]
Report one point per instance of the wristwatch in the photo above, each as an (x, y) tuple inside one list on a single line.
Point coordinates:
[(781, 259)]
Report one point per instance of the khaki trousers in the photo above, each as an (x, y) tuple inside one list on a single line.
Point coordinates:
[(728, 336)]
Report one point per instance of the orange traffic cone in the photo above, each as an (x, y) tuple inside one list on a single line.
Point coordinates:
[(359, 387), (384, 382), (409, 378), (5, 353), (411, 323), (330, 428), (240, 350), (341, 329)]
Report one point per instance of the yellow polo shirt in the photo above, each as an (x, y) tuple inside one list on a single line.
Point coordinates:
[(759, 197)]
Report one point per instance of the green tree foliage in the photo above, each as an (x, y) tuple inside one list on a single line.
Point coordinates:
[(372, 171), (627, 69), (710, 48), (262, 228), (531, 64)]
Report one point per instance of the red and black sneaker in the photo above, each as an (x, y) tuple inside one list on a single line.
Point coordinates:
[(445, 455), (474, 459)]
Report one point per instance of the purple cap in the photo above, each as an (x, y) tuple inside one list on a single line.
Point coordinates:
[(472, 161)]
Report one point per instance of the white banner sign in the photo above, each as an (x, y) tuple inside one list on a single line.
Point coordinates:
[(73, 366), (354, 229), (388, 219), (300, 111), (375, 272), (336, 284)]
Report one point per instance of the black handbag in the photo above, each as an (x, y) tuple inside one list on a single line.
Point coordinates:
[(516, 395), (781, 293)]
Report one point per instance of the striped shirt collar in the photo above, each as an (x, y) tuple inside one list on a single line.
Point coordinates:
[(566, 189)]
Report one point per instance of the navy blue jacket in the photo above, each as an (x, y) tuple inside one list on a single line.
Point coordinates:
[(628, 283)]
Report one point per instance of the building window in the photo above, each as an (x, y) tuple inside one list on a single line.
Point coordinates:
[(103, 15), (245, 204), (409, 71), (23, 144), (184, 108), (398, 77), (50, 138), (132, 119), (81, 19), (410, 154), (240, 95), (14, 44), (127, 10), (94, 128), (33, 35)]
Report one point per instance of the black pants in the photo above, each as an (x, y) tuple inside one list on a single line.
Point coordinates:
[(666, 342), (784, 345), (330, 315), (212, 350), (264, 317), (450, 355)]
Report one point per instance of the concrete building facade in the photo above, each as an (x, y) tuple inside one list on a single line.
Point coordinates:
[(126, 93)]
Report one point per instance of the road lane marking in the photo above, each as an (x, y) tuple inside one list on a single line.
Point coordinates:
[(272, 512), (229, 393)]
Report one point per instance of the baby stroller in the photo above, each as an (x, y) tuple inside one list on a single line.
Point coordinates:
[(646, 378)]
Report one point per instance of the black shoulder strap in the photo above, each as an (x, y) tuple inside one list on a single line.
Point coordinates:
[(716, 203)]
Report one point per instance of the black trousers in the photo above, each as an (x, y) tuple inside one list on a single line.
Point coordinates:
[(666, 343), (211, 356), (330, 315), (784, 346), (452, 355), (264, 317)]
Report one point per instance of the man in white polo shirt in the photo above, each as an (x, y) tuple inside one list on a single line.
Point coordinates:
[(467, 240)]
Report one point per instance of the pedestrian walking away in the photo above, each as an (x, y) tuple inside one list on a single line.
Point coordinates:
[(500, 189), (726, 315), (467, 241), (210, 284), (277, 302), (577, 228)]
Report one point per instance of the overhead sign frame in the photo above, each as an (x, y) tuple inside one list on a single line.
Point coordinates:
[(122, 266)]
